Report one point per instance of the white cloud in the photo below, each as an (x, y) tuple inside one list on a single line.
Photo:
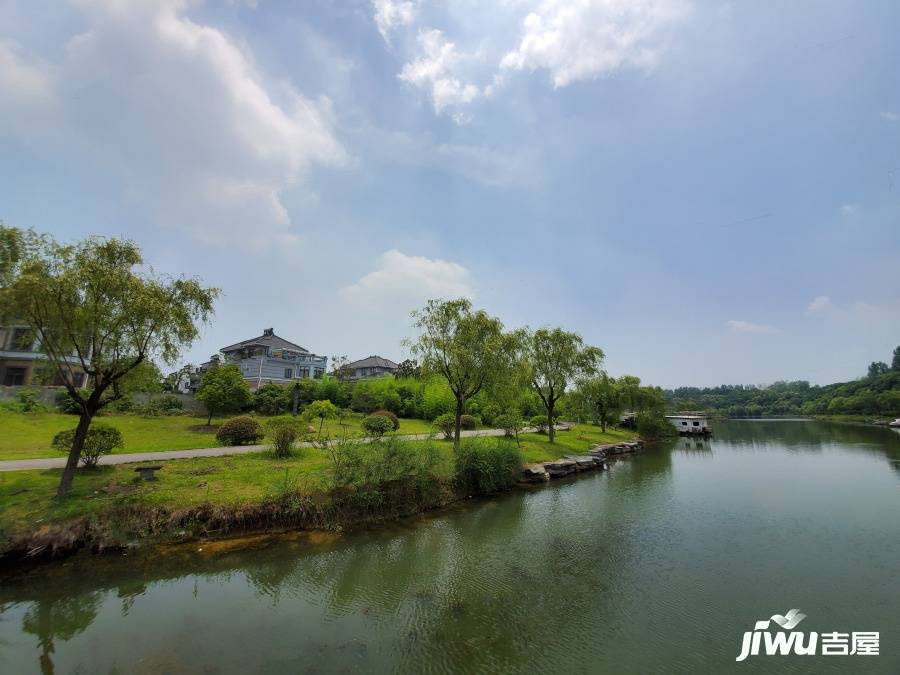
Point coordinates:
[(407, 281), (890, 116), (437, 71), (389, 14), (752, 328), (849, 209), (820, 303), (204, 142), (27, 94), (593, 38)]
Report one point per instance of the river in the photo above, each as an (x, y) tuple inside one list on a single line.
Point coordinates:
[(658, 565)]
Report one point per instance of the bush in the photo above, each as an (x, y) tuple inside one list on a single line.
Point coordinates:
[(100, 440), (241, 430), (447, 424), (377, 425), (29, 401), (284, 432), (486, 465), (386, 477), (468, 422), (122, 405), (272, 399), (539, 422), (652, 426), (66, 403), (395, 422), (511, 423)]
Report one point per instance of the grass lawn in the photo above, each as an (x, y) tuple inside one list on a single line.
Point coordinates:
[(28, 435), (26, 497)]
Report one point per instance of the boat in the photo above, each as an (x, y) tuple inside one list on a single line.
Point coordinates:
[(690, 424), (895, 423)]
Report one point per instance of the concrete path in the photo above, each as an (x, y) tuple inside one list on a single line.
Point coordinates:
[(126, 458)]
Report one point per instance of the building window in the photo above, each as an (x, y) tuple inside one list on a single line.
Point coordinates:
[(319, 373), (21, 340), (684, 424), (303, 372), (288, 373), (696, 424), (14, 377)]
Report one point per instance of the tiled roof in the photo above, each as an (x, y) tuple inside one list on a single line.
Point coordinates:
[(373, 362), (267, 339)]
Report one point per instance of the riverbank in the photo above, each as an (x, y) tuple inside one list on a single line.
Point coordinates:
[(110, 508)]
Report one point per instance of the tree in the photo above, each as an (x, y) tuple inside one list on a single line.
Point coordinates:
[(95, 309), (223, 390), (895, 362), (467, 348), (603, 397), (877, 368), (407, 368), (553, 359), (320, 410), (339, 367)]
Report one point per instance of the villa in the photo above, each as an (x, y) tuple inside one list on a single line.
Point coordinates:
[(270, 359), (22, 362), (371, 366)]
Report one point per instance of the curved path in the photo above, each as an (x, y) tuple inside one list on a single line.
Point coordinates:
[(125, 458)]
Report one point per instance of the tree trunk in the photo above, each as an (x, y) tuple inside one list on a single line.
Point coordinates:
[(65, 483), (551, 432), (460, 403), (295, 401), (209, 419)]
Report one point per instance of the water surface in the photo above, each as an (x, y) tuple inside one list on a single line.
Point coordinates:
[(658, 565)]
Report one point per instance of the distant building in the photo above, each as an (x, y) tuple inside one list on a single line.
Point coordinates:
[(371, 366), (269, 359), (22, 362), (689, 424)]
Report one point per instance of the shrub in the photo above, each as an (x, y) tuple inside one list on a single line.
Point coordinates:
[(66, 403), (100, 440), (468, 422), (122, 405), (284, 432), (29, 401), (539, 422), (395, 423), (386, 477), (241, 430), (272, 399), (651, 426), (486, 465), (377, 425), (511, 423), (447, 424)]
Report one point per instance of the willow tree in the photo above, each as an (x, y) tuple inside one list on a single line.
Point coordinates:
[(555, 358), (467, 348), (95, 308), (603, 397)]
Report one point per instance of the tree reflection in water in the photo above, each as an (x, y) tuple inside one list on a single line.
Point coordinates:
[(60, 618)]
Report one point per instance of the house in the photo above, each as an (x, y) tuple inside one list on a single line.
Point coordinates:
[(270, 359), (371, 366), (22, 363), (689, 424)]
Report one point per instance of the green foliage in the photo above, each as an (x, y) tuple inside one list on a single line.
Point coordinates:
[(602, 397), (319, 411), (511, 423), (223, 390), (879, 396), (66, 404), (539, 422), (395, 421), (468, 422), (272, 399), (895, 359), (485, 466), (553, 359), (447, 424), (241, 430), (408, 369), (385, 477), (29, 401), (284, 432), (377, 426), (877, 368), (653, 425), (100, 440)]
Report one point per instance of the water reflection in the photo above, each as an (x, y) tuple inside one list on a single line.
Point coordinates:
[(59, 619)]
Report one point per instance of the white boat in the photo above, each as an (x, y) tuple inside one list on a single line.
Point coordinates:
[(895, 423)]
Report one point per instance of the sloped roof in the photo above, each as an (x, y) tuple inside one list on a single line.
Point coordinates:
[(267, 339), (372, 362)]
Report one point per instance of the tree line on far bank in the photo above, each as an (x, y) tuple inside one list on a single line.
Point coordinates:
[(876, 394)]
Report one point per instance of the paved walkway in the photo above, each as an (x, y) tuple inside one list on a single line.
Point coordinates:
[(126, 458)]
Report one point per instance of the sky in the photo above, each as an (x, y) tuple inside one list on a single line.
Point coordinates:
[(709, 191)]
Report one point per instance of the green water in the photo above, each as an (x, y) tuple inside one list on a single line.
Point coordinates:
[(658, 565)]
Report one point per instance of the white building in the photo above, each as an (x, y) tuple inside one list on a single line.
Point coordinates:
[(689, 424)]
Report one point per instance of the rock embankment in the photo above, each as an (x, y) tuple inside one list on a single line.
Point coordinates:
[(596, 458)]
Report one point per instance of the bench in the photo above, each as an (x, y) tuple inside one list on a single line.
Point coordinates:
[(147, 472)]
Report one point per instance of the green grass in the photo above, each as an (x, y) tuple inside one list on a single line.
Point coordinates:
[(28, 435), (27, 497)]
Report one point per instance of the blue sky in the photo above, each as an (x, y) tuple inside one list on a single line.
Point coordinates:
[(710, 191)]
